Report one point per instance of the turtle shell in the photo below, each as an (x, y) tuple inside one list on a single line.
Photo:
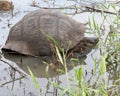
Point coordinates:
[(26, 37)]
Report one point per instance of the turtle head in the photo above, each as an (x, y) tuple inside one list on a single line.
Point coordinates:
[(84, 46), (89, 42)]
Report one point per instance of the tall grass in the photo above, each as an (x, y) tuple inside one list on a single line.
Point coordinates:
[(108, 61), (35, 82)]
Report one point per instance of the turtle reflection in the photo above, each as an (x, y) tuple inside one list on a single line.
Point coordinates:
[(39, 65)]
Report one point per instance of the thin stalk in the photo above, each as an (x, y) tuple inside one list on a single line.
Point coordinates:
[(66, 70)]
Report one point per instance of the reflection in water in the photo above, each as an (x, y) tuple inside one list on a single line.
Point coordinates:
[(38, 68), (39, 65), (25, 87)]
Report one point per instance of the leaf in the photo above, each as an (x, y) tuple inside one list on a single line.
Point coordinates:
[(89, 23), (94, 24), (47, 71), (103, 66), (79, 73), (59, 55), (34, 79)]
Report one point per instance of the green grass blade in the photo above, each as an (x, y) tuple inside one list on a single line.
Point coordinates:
[(51, 39), (59, 55), (103, 66), (34, 79)]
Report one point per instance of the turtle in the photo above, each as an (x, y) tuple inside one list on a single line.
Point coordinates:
[(27, 36)]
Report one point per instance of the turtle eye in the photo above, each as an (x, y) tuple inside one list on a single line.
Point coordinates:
[(96, 40)]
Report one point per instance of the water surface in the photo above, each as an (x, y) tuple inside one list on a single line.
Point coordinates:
[(12, 81)]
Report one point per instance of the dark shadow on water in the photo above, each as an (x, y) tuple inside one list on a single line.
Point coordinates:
[(42, 66)]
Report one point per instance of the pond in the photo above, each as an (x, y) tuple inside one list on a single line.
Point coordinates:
[(88, 73)]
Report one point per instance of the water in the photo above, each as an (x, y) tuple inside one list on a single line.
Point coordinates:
[(25, 86)]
